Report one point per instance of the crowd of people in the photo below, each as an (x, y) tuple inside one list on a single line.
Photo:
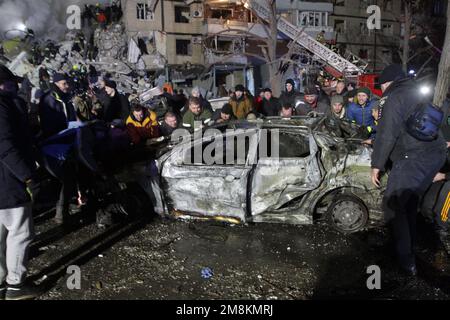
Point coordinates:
[(43, 128)]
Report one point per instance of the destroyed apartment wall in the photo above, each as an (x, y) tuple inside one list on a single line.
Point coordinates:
[(173, 30), (139, 18), (352, 31), (182, 18)]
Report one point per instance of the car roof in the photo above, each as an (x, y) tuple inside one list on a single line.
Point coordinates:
[(298, 122)]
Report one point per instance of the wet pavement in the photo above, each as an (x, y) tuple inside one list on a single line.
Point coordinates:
[(163, 259)]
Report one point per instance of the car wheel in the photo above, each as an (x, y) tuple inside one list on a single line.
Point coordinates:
[(134, 202), (347, 214)]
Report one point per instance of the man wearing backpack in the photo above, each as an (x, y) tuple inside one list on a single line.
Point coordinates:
[(415, 162)]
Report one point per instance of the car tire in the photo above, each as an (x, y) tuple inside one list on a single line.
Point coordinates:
[(347, 214), (134, 202)]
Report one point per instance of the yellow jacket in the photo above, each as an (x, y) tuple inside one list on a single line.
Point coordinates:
[(151, 119)]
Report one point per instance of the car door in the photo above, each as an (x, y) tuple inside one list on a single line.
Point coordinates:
[(195, 186), (288, 175)]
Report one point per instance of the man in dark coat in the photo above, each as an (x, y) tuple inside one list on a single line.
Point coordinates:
[(271, 105), (16, 172), (311, 104), (170, 124), (56, 109), (289, 96), (414, 162), (117, 106), (224, 115)]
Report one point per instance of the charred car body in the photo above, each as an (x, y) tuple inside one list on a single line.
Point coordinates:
[(315, 175)]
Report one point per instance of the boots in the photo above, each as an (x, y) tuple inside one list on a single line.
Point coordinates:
[(62, 214)]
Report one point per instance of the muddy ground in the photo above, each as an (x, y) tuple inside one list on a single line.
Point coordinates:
[(163, 259)]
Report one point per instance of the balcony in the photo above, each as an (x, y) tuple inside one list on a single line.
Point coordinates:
[(217, 58), (234, 27)]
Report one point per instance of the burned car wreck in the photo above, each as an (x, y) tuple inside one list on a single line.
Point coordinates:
[(314, 176)]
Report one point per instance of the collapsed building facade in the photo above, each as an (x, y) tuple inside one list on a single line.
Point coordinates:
[(213, 44), (217, 43)]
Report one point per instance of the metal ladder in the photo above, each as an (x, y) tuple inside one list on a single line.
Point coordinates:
[(333, 59)]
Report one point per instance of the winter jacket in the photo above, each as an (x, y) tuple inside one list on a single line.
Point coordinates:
[(289, 98), (141, 131), (165, 130), (392, 141), (16, 155), (55, 112), (319, 107), (189, 119), (271, 108), (203, 103), (361, 115), (341, 115), (241, 107), (218, 115), (114, 108)]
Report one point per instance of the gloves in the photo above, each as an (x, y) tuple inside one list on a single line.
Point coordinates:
[(313, 114), (28, 184)]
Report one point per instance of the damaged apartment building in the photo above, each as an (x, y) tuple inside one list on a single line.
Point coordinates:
[(216, 44)]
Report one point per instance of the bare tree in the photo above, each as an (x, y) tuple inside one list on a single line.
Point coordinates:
[(408, 16), (271, 52), (444, 67), (411, 14), (269, 47)]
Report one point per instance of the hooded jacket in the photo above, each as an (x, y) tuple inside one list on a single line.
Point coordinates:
[(393, 142)]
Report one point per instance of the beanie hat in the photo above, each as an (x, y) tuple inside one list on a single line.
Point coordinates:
[(227, 109), (393, 72), (337, 99), (239, 87), (110, 84), (291, 82), (364, 90), (57, 77)]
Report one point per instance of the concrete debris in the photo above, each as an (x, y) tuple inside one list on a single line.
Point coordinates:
[(108, 50)]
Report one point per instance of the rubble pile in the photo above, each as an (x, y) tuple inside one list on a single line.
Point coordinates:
[(106, 50)]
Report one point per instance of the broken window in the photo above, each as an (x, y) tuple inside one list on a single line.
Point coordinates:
[(287, 145), (388, 29), (143, 12), (363, 28), (339, 26), (229, 151), (364, 53), (182, 14), (222, 14), (313, 19), (225, 45), (184, 47)]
